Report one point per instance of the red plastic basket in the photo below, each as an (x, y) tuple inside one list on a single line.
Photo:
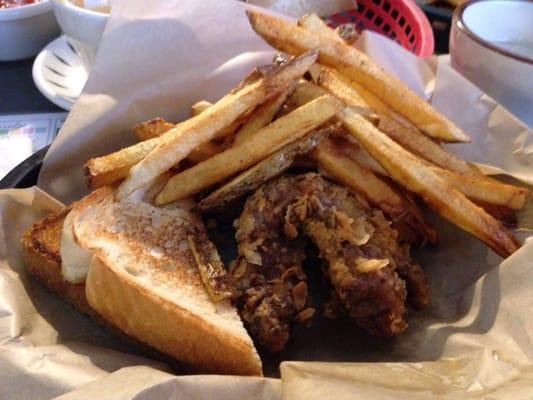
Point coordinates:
[(400, 20)]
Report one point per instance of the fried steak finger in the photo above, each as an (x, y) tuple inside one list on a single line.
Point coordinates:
[(370, 272)]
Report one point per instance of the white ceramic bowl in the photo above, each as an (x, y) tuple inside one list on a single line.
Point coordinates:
[(82, 25), (26, 29), (491, 43)]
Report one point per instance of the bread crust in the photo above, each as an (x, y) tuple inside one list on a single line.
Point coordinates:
[(41, 255), (166, 326)]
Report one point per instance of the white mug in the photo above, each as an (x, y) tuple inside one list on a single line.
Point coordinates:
[(491, 44)]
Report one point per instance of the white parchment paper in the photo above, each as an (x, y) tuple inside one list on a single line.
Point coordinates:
[(158, 57)]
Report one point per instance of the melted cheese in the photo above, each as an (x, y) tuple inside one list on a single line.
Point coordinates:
[(74, 259)]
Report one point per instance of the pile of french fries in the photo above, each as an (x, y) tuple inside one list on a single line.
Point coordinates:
[(334, 108)]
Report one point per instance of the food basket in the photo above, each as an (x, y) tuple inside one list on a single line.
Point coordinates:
[(400, 20)]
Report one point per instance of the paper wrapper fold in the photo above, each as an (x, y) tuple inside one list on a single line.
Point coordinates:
[(156, 59)]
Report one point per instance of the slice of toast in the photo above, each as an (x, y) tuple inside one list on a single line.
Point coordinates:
[(168, 310)]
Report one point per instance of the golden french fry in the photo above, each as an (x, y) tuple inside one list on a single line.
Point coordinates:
[(261, 117), (314, 23), (270, 167), (157, 126), (492, 194), (480, 189), (152, 128), (424, 147), (303, 93), (108, 169), (332, 81), (268, 140), (502, 201), (209, 149), (508, 216), (344, 32), (486, 190), (407, 135), (409, 172), (177, 143), (206, 150), (295, 40), (199, 107), (378, 192), (348, 32), (357, 178), (359, 93), (254, 75), (353, 150)]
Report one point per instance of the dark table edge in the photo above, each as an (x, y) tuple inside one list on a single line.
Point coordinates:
[(25, 174)]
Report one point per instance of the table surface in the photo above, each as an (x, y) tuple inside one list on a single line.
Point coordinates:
[(18, 93)]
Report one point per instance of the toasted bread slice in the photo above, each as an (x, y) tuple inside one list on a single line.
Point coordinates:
[(135, 283), (42, 257)]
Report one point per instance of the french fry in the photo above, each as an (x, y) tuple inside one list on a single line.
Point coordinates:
[(304, 92), (261, 117), (424, 147), (152, 128), (254, 75), (378, 192), (157, 126), (199, 107), (357, 178), (358, 93), (208, 149), (348, 32), (178, 143), (353, 150), (486, 190), (295, 40), (108, 169), (510, 217), (410, 173), (314, 23), (480, 189), (268, 140), (408, 136), (269, 168), (204, 151), (345, 32), (330, 80)]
